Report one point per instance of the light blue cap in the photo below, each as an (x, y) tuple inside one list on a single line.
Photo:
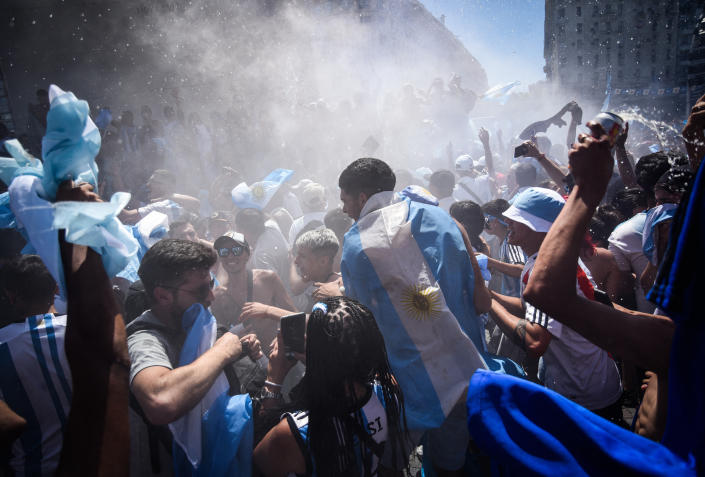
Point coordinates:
[(536, 207)]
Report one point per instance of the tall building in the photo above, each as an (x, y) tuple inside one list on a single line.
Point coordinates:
[(637, 51)]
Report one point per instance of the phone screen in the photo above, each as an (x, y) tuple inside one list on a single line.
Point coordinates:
[(293, 328), (520, 150)]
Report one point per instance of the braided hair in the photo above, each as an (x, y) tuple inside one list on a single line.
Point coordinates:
[(344, 346)]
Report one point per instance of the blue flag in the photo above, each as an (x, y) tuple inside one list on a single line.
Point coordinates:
[(215, 438), (258, 195), (407, 262)]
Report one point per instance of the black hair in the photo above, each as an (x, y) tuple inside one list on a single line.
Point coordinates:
[(648, 170), (603, 222), (674, 180), (343, 346), (626, 200), (525, 175), (495, 207), (443, 180), (169, 260), (27, 277), (250, 220), (367, 175), (338, 221), (471, 217)]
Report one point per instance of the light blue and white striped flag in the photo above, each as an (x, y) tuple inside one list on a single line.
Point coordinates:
[(407, 262), (258, 195), (215, 438)]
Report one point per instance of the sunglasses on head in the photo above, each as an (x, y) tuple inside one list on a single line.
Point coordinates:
[(236, 250)]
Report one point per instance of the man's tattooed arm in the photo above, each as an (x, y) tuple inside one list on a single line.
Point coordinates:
[(519, 335)]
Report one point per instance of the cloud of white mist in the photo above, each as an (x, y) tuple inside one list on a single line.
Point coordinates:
[(308, 86)]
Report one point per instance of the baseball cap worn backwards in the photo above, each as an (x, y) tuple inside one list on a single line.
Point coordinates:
[(536, 207)]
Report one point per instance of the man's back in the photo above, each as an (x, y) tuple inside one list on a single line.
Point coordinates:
[(35, 382), (408, 263)]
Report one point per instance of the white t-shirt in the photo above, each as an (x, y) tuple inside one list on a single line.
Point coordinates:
[(573, 366), (625, 243), (479, 185)]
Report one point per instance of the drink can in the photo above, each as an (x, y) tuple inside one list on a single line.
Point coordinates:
[(612, 124)]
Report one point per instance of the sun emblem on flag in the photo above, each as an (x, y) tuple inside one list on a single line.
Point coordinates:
[(257, 191), (421, 302)]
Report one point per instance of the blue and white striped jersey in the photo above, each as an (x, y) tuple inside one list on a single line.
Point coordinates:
[(35, 382)]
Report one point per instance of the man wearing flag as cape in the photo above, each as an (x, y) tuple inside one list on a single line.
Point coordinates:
[(408, 261)]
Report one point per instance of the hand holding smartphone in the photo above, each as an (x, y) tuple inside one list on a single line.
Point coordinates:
[(293, 329)]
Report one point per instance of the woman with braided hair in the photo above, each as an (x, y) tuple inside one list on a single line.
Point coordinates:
[(354, 409)]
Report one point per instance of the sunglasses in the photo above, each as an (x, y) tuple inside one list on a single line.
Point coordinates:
[(237, 250), (200, 293), (489, 218)]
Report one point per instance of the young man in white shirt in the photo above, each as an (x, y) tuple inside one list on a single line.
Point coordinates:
[(570, 364)]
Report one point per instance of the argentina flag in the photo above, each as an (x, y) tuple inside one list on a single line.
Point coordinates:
[(407, 262), (258, 195), (215, 437)]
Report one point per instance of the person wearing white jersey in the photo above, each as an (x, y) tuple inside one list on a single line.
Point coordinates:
[(35, 382), (570, 364)]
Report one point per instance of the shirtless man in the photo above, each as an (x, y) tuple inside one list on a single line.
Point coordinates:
[(256, 298)]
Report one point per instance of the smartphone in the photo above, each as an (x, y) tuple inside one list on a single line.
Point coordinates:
[(293, 328), (521, 150)]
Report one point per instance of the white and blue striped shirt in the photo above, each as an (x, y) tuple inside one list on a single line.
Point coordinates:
[(35, 382)]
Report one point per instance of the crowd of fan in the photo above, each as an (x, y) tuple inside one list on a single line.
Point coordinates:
[(331, 409)]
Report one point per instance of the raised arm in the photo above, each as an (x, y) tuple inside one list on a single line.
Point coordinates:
[(542, 126), (97, 436), (624, 165), (484, 137), (637, 337), (553, 171)]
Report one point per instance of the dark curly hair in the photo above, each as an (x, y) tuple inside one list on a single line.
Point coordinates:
[(367, 175), (344, 346)]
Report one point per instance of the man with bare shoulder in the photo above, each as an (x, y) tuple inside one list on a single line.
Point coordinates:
[(256, 298)]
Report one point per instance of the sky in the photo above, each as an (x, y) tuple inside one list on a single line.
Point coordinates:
[(506, 36)]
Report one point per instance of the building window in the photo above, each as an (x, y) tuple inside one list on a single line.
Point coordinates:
[(561, 30), (608, 27), (578, 12), (580, 61), (620, 74), (620, 27), (597, 60), (579, 27), (561, 13), (580, 44)]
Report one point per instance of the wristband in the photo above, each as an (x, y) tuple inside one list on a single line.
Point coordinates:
[(274, 385)]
